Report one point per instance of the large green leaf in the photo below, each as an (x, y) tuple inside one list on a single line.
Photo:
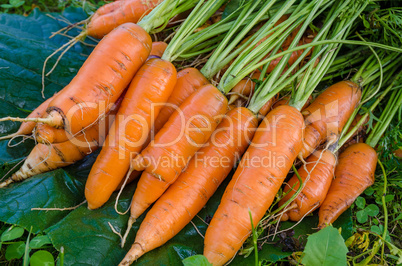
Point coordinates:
[(85, 235), (326, 248)]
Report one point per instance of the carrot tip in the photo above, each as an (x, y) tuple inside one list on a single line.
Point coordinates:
[(135, 252), (6, 183), (233, 98), (130, 223)]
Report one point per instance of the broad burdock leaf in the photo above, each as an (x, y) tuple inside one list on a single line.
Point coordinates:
[(325, 248)]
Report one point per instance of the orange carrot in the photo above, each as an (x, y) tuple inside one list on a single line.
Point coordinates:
[(158, 48), (150, 88), (189, 194), (112, 15), (316, 177), (47, 134), (266, 108), (255, 183), (286, 99), (27, 127), (398, 153), (101, 80), (353, 174), (44, 158), (328, 114), (181, 137)]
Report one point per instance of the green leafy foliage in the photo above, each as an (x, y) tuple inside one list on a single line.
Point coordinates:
[(15, 250), (39, 241), (325, 247), (196, 260), (12, 233), (26, 6), (42, 258), (231, 7)]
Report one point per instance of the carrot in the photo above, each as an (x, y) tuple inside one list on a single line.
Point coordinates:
[(353, 174), (104, 75), (181, 137), (47, 134), (189, 194), (44, 158), (398, 153), (114, 14), (188, 81), (266, 108), (27, 127), (158, 48), (257, 179), (150, 88), (328, 113), (316, 178), (286, 99)]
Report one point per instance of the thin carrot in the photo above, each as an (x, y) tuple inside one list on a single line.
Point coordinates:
[(150, 88), (189, 194), (112, 15), (181, 137), (316, 177), (286, 99), (328, 113), (255, 183), (44, 158), (353, 174), (158, 48), (27, 127)]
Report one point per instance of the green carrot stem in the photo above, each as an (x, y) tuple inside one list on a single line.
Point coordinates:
[(198, 16), (158, 18)]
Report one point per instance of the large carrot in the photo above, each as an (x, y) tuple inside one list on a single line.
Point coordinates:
[(353, 174), (27, 127), (328, 113), (255, 183), (47, 134), (100, 81), (181, 137), (316, 177), (112, 15), (149, 89), (189, 194)]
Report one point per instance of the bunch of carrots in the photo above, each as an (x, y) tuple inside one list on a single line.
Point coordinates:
[(248, 106)]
